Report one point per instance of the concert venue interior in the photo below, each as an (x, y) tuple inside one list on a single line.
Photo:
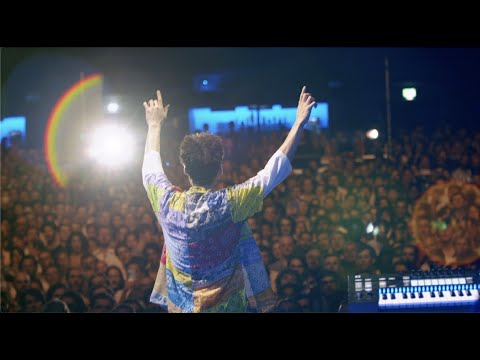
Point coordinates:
[(381, 212)]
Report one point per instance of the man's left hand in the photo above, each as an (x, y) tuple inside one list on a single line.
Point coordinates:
[(155, 113)]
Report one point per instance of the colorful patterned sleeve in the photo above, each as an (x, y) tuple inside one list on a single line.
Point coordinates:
[(154, 179), (246, 199)]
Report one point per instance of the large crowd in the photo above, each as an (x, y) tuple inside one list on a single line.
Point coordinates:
[(349, 207)]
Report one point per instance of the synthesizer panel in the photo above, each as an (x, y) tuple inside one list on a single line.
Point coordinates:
[(420, 291)]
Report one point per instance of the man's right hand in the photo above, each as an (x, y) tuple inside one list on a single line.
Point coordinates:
[(305, 104)]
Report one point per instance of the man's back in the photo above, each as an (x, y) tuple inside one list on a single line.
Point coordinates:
[(203, 268), (210, 260)]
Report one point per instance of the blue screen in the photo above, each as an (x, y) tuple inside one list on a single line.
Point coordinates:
[(13, 127), (270, 118)]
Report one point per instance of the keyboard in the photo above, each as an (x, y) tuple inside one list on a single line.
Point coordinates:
[(418, 291)]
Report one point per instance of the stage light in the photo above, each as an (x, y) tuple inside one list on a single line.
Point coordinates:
[(112, 107), (111, 146), (409, 94), (372, 229), (369, 228), (372, 134)]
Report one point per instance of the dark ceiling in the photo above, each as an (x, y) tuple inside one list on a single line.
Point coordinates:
[(352, 80)]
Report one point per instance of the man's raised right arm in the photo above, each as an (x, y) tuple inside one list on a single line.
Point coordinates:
[(305, 104), (248, 196)]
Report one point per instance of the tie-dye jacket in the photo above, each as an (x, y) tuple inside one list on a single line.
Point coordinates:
[(210, 261)]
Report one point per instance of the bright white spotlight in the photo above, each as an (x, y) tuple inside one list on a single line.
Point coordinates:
[(111, 146), (112, 107), (369, 228), (409, 94), (372, 134), (372, 229)]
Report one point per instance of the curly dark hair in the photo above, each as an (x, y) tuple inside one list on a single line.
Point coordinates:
[(202, 156)]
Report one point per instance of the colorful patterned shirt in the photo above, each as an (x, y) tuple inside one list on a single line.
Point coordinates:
[(210, 261)]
